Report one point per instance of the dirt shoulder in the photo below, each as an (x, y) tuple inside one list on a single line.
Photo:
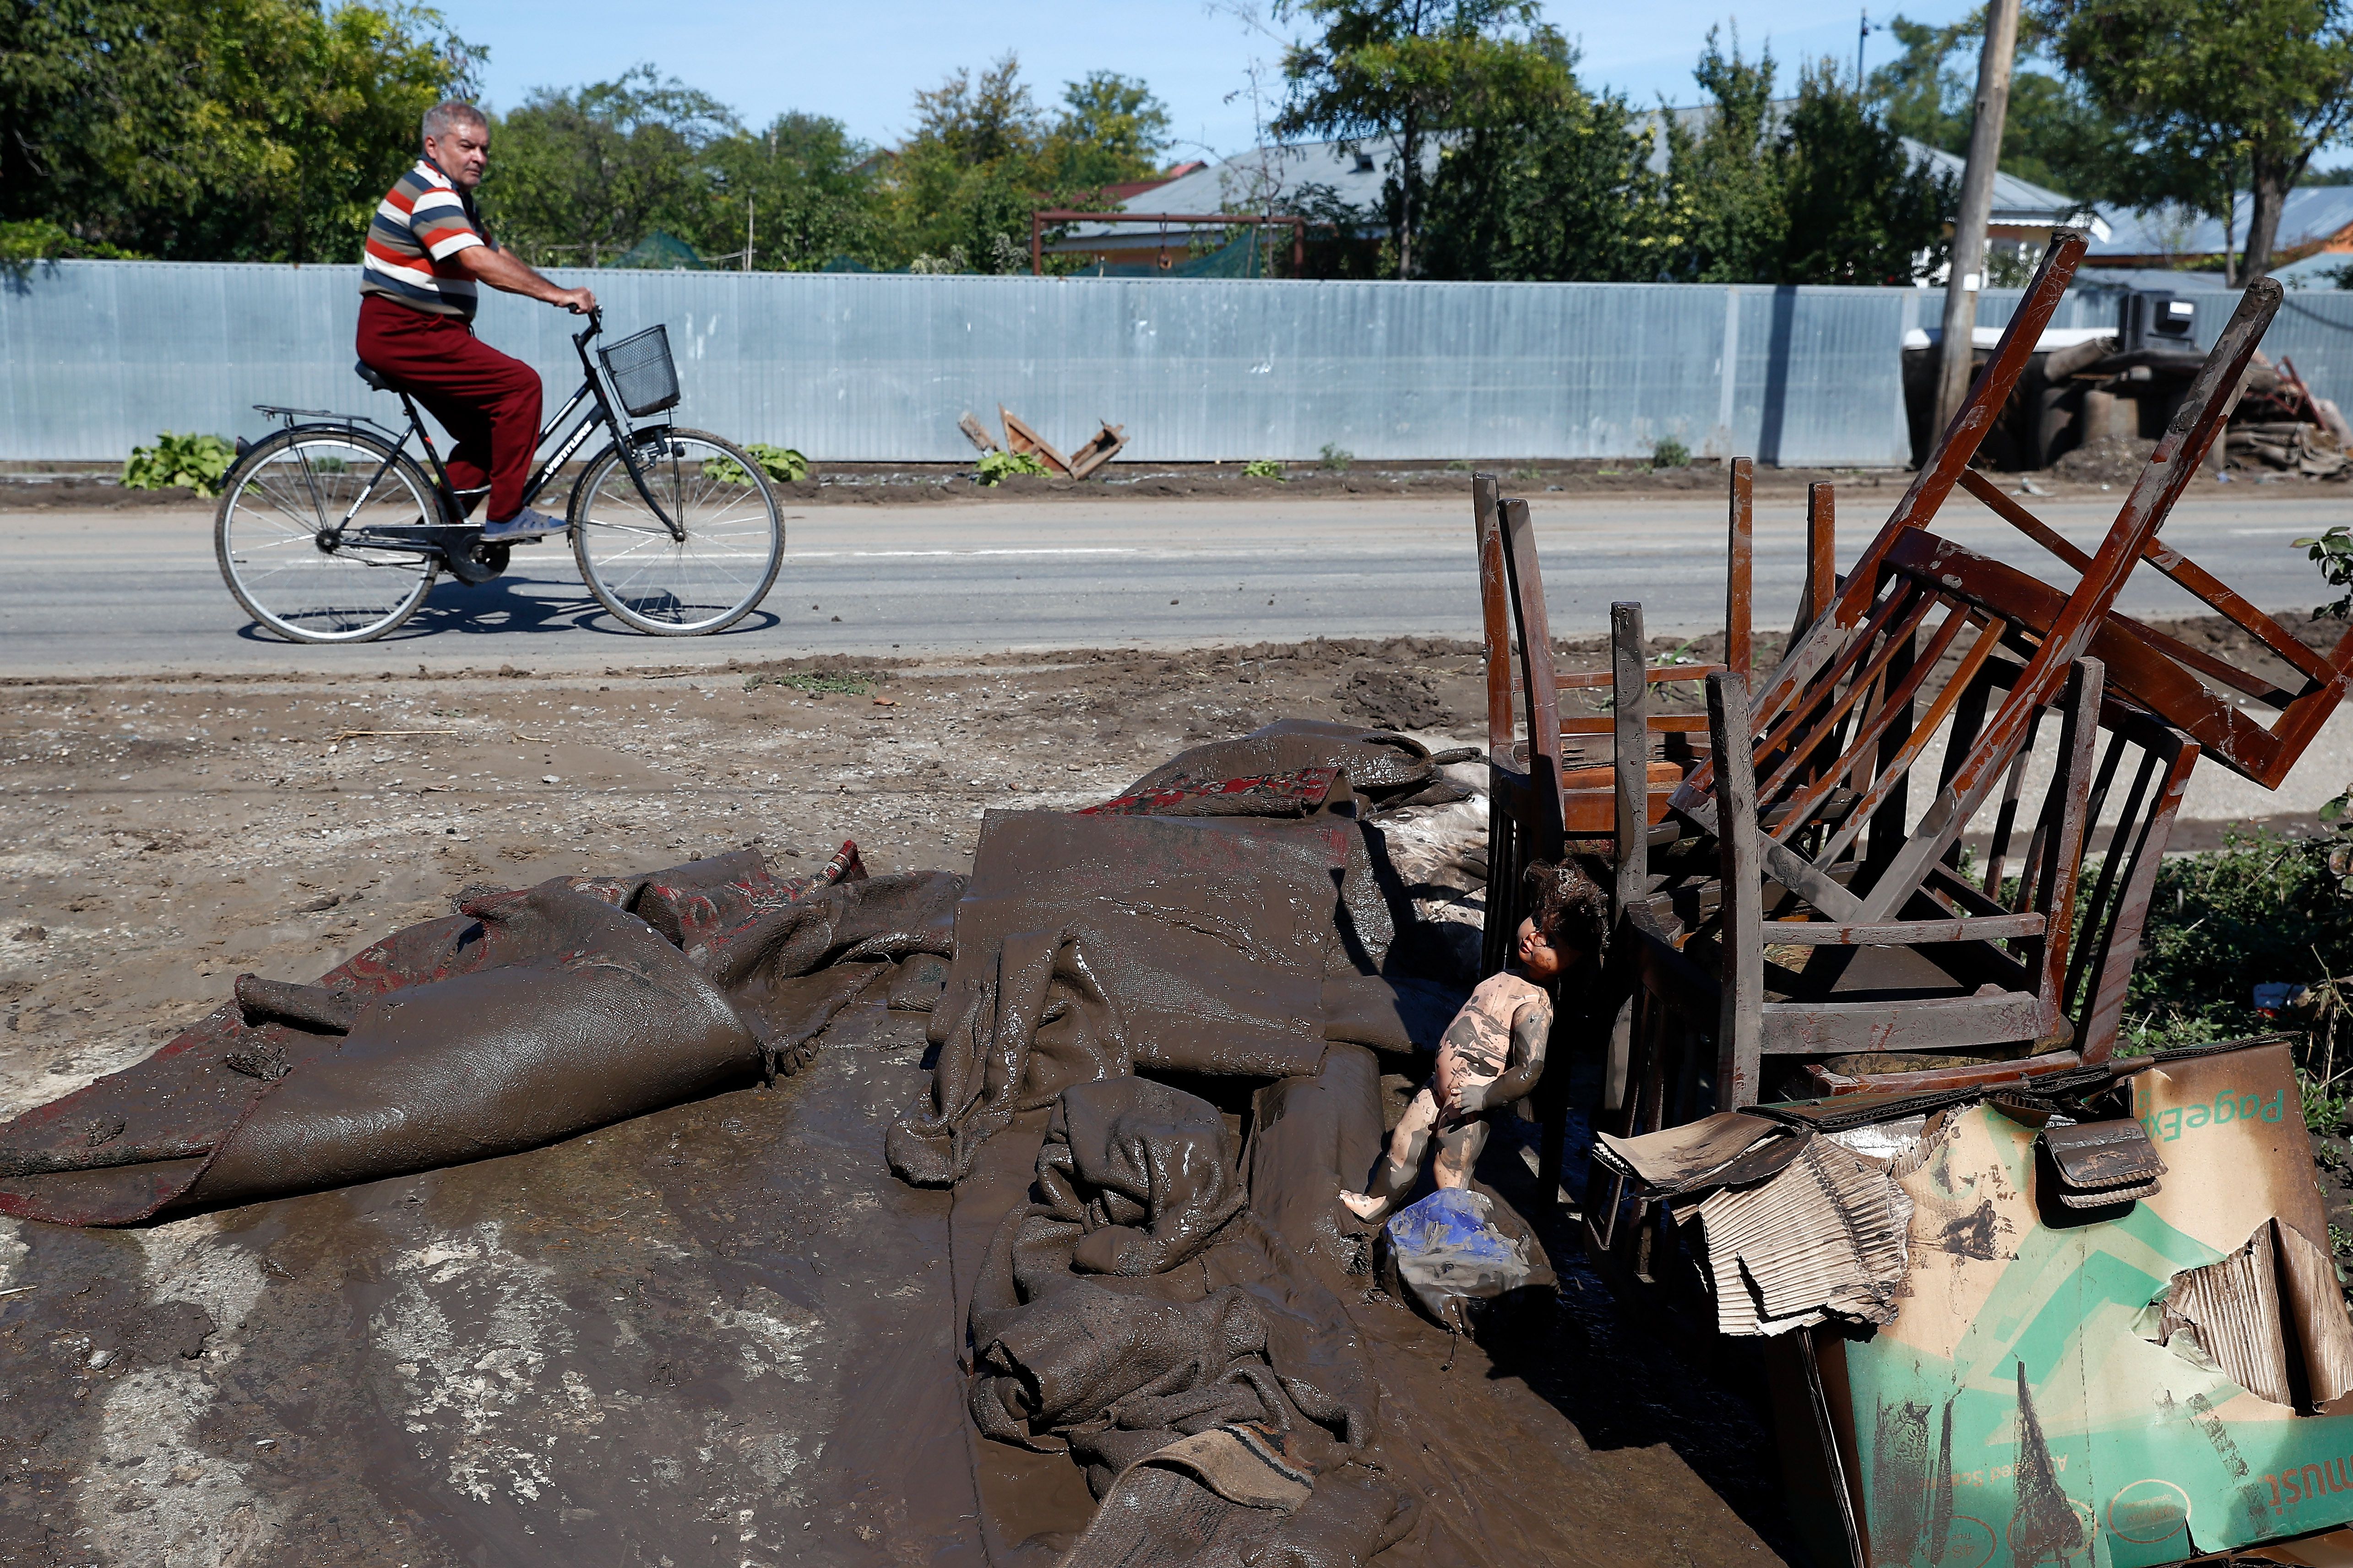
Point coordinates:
[(83, 488)]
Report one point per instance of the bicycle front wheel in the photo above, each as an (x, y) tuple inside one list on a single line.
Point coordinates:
[(301, 529), (650, 577)]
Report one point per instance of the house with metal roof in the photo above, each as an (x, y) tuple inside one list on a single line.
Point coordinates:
[(1329, 174), (1278, 179), (2313, 220), (2022, 210)]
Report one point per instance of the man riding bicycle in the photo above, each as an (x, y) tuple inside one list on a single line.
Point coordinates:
[(426, 250)]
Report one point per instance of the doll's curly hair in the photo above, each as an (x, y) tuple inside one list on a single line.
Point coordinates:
[(1568, 906)]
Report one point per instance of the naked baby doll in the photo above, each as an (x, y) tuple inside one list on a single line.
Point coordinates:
[(1493, 1052)]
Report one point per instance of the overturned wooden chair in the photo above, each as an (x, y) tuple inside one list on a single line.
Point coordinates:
[(1806, 792), (1552, 776), (1924, 649)]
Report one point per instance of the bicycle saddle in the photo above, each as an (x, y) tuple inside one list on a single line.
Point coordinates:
[(372, 376)]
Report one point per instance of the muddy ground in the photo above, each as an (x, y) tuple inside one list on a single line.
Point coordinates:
[(718, 1334), (714, 1335)]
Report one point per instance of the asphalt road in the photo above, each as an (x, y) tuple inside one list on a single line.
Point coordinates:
[(138, 591)]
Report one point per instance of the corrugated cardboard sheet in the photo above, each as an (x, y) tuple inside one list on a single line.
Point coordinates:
[(2053, 1387), (1824, 1238)]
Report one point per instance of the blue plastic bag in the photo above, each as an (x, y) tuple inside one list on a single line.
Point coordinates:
[(1447, 1253)]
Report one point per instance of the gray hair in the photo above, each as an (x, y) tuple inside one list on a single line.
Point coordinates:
[(441, 116)]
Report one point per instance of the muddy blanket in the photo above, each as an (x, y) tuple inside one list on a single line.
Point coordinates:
[(1136, 1302), (1381, 764), (524, 1017), (1088, 947)]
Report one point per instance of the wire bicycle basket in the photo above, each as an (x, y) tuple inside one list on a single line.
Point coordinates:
[(642, 374)]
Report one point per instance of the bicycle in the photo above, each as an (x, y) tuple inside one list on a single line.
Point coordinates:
[(330, 533)]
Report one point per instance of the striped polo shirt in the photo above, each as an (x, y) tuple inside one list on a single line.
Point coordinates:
[(421, 225)]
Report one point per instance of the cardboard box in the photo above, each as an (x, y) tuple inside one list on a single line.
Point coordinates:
[(2040, 1397)]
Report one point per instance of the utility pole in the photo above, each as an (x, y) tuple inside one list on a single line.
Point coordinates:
[(1862, 34), (1976, 209)]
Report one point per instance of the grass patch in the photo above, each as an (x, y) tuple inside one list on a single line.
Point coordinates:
[(2261, 909)]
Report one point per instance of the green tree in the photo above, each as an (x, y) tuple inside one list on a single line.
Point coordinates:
[(1406, 73), (1858, 207), (2258, 84), (575, 177), (1822, 191), (1560, 189), (1727, 176), (1922, 91), (810, 192), (1111, 129), (964, 185), (239, 129), (2054, 134), (984, 156)]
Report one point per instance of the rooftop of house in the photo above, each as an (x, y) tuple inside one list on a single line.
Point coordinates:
[(1277, 179), (2311, 218), (1264, 180)]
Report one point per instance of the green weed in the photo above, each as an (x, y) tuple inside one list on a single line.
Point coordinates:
[(1669, 453), (782, 464), (2263, 907), (1262, 468), (199, 462), (2333, 554), (998, 466), (1337, 457)]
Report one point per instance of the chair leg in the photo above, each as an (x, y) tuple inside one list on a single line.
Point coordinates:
[(1740, 1030), (1552, 1120), (1630, 695), (1503, 887)]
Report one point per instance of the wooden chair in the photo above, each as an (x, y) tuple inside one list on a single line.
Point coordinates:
[(1720, 990), (2164, 674), (1561, 782), (1839, 729), (1805, 796), (1558, 781), (1854, 701)]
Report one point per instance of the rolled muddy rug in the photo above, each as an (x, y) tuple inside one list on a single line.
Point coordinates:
[(524, 1017)]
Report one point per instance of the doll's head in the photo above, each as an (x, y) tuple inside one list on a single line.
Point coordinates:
[(1568, 919)]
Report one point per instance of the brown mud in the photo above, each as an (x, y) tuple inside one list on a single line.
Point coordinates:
[(718, 1333)]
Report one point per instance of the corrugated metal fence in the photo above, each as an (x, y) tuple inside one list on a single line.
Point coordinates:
[(96, 356), (2313, 327), (99, 355)]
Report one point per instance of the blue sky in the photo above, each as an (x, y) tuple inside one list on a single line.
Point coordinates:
[(862, 63)]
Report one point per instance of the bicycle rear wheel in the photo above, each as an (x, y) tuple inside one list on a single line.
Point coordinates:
[(657, 583), (294, 533)]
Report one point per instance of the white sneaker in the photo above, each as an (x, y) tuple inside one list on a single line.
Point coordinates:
[(524, 524)]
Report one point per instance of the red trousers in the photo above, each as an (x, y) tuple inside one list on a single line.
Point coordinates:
[(488, 402)]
